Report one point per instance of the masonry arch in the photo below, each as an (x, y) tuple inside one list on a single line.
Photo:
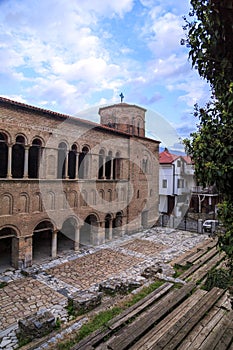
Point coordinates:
[(117, 224), (18, 155), (6, 204), (146, 163), (89, 230), (84, 163), (34, 158), (101, 171), (108, 221), (72, 159), (42, 240), (117, 166), (3, 154), (23, 205), (8, 247), (66, 236), (108, 166), (102, 196)]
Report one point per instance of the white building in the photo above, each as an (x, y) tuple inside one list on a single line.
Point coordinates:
[(176, 180)]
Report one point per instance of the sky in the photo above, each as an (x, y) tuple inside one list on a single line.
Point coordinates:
[(72, 56)]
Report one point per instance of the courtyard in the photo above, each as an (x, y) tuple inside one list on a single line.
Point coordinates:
[(48, 285)]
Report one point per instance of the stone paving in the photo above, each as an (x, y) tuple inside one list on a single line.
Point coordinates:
[(144, 247), (51, 283), (22, 298), (91, 269)]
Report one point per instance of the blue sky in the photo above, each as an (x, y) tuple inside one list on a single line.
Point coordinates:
[(69, 56)]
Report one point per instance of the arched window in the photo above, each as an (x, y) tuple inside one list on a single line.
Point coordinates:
[(37, 202), (50, 203), (101, 164), (117, 166), (6, 204), (83, 163), (145, 164), (18, 151), (101, 194), (23, 205), (109, 195), (72, 162), (3, 155), (108, 165), (61, 161), (34, 159)]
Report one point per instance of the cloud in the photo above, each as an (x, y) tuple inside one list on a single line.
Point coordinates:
[(108, 7), (69, 55), (196, 91)]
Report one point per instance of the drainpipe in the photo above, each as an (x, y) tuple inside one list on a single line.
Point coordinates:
[(174, 177)]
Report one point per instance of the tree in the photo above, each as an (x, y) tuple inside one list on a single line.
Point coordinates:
[(209, 36)]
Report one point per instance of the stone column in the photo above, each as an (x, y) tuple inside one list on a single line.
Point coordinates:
[(42, 164), (66, 165), (9, 171), (25, 172), (22, 247), (104, 167), (110, 230), (100, 234), (111, 175), (76, 239), (76, 167), (54, 244)]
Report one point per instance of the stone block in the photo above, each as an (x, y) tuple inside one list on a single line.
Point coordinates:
[(113, 286), (84, 301), (151, 271), (37, 325)]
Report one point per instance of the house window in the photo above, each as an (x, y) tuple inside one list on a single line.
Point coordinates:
[(145, 165), (180, 183), (178, 163), (164, 183)]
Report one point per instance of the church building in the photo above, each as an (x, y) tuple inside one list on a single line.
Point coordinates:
[(68, 183)]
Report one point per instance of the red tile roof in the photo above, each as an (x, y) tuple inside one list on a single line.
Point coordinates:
[(166, 157)]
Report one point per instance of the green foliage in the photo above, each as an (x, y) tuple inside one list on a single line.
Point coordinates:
[(22, 340), (57, 324), (3, 284), (70, 308), (209, 35), (217, 278), (143, 293)]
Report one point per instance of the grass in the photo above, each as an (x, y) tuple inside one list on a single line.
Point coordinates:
[(180, 269)]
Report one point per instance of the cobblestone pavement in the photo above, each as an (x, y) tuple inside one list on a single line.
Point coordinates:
[(23, 297), (93, 268), (144, 247), (51, 283)]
